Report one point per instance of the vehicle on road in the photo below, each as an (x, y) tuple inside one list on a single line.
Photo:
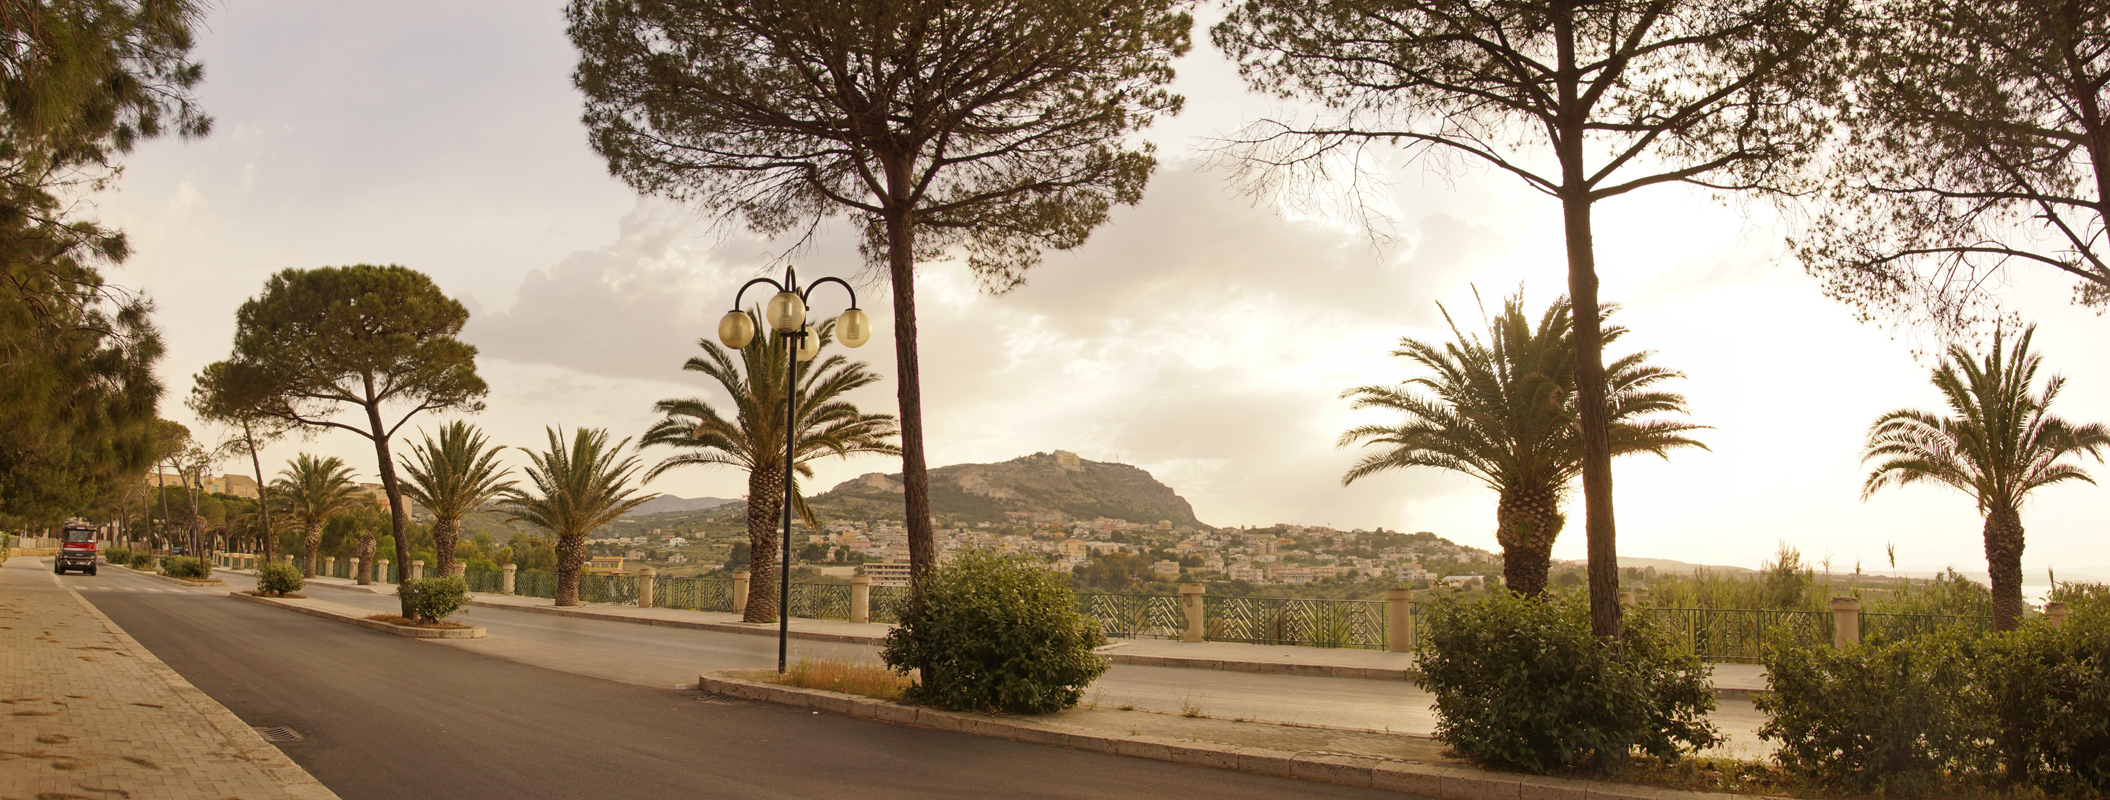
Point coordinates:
[(77, 550)]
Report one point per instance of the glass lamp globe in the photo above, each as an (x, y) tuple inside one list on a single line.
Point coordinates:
[(809, 345), (786, 311), (853, 328), (736, 329)]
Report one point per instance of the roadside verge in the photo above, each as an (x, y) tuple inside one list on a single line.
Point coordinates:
[(1423, 777), (358, 616)]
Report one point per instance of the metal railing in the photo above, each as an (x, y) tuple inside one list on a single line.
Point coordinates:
[(1739, 635), (484, 580), (1290, 621), (1899, 627), (887, 603), (695, 594), (1135, 616), (618, 589), (820, 600)]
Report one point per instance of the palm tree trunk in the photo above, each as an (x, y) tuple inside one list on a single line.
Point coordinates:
[(1526, 523), (445, 533), (366, 560), (2003, 560), (765, 508), (312, 540), (571, 557)]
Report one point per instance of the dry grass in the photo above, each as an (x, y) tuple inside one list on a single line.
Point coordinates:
[(288, 595), (407, 622), (849, 677)]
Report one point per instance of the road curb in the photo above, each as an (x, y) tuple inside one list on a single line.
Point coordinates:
[(297, 782), (1370, 772), (399, 630)]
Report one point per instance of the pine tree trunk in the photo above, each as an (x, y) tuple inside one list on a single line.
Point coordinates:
[(765, 509), (1598, 524), (399, 522), (915, 478), (445, 533), (263, 495), (311, 540), (2003, 560), (1526, 523), (571, 558)]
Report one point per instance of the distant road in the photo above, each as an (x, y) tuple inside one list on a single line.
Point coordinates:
[(388, 717)]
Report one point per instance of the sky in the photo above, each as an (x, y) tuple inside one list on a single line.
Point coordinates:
[(1204, 334)]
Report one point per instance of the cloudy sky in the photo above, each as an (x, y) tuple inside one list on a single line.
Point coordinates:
[(1202, 335)]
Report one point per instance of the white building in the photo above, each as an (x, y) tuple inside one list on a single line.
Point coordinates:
[(888, 573)]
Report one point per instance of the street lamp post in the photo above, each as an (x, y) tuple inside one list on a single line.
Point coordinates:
[(786, 314)]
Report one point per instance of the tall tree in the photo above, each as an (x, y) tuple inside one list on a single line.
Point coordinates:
[(577, 488), (252, 429), (1584, 102), (2000, 444), (451, 477), (309, 491), (827, 425), (1977, 137), (997, 128), (321, 341), (1503, 410), (81, 82)]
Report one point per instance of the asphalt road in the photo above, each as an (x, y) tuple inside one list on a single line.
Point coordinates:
[(388, 717)]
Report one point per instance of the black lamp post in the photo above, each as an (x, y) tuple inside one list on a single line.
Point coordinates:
[(786, 313)]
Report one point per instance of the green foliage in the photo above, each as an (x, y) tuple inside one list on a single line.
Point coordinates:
[(576, 489), (1521, 683), (989, 633), (142, 560), (278, 578), (1878, 716), (117, 555), (186, 567), (2050, 691), (451, 477), (432, 599)]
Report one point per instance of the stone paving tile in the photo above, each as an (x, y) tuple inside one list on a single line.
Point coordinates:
[(86, 712)]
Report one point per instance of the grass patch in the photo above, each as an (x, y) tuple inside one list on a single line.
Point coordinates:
[(849, 677), (394, 619)]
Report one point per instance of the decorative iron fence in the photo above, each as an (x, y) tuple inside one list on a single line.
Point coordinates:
[(484, 580), (1899, 627), (1310, 623), (341, 568), (395, 574), (620, 589), (535, 584), (1135, 616), (887, 603), (695, 594), (1739, 635), (820, 600)]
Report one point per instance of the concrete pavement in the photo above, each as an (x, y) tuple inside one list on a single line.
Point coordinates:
[(386, 717), (89, 712)]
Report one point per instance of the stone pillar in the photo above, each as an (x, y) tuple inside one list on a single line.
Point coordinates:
[(380, 570), (506, 583), (1846, 621), (740, 592), (329, 566), (860, 598), (417, 570), (2055, 611), (1191, 607), (1399, 620), (352, 568), (460, 569), (644, 586)]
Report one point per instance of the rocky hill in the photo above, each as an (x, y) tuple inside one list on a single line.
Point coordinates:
[(667, 503), (1043, 484)]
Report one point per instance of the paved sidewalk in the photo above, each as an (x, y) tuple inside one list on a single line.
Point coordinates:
[(90, 713)]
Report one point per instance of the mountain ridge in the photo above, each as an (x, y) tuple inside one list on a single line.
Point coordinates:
[(1038, 486)]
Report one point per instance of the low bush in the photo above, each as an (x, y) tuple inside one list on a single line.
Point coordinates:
[(117, 555), (432, 599), (985, 632), (186, 567), (277, 578), (1890, 717), (142, 560), (1522, 683)]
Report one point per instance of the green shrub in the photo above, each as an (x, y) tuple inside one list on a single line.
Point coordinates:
[(1892, 717), (432, 599), (2050, 694), (1523, 684), (989, 633), (142, 560), (277, 578), (117, 555), (186, 567)]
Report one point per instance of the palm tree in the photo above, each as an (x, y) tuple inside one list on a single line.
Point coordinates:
[(753, 440), (309, 491), (453, 476), (1504, 411), (2001, 445), (578, 488)]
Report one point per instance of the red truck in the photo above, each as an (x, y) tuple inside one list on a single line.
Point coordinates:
[(77, 551)]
